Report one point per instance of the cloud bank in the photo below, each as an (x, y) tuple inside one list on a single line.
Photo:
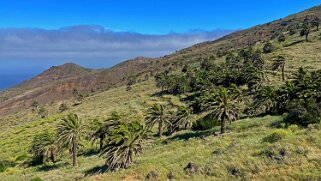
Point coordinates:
[(94, 43)]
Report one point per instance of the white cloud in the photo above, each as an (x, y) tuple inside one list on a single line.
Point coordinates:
[(94, 42)]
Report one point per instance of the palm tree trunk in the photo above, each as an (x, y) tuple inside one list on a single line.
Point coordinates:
[(306, 37), (283, 78), (160, 128), (53, 155), (74, 153), (223, 128), (101, 142)]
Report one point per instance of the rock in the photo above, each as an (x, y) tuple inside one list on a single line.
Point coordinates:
[(151, 175), (216, 133), (170, 176), (191, 167)]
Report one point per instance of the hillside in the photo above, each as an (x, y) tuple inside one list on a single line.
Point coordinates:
[(20, 97), (254, 148)]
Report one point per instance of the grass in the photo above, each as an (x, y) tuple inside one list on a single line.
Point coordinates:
[(255, 149), (242, 154)]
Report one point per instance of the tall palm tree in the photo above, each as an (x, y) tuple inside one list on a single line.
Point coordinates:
[(225, 107), (156, 114), (70, 132), (279, 63), (124, 142), (45, 146)]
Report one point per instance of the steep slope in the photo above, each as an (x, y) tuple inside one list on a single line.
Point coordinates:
[(142, 68)]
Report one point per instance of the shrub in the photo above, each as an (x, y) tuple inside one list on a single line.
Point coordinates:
[(268, 48), (42, 112), (277, 152), (276, 136), (63, 107), (303, 112), (205, 123), (293, 127), (281, 38)]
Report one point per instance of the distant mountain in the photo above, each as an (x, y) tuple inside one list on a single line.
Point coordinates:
[(55, 74), (57, 83)]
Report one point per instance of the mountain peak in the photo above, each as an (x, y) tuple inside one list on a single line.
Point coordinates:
[(57, 73)]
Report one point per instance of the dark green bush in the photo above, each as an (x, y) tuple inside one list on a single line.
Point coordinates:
[(268, 48), (303, 112), (276, 136), (205, 123)]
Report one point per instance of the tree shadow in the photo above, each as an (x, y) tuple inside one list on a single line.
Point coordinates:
[(294, 43), (90, 152), (158, 94), (189, 135), (96, 170), (46, 168)]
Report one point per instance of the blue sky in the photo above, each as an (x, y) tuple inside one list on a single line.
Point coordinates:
[(147, 16), (38, 34)]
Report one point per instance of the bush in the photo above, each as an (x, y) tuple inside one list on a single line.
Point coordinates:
[(63, 107), (277, 152), (268, 48), (303, 112), (281, 38), (293, 127), (276, 136), (205, 123)]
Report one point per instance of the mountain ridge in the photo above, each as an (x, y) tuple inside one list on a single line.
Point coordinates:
[(143, 68)]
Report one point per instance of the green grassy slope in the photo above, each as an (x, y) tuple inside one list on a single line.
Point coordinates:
[(241, 154), (246, 153)]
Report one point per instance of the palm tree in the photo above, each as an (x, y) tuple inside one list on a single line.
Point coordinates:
[(266, 99), (306, 28), (224, 107), (182, 118), (45, 146), (101, 129), (156, 114), (285, 94), (279, 63), (124, 142), (70, 132), (253, 76)]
